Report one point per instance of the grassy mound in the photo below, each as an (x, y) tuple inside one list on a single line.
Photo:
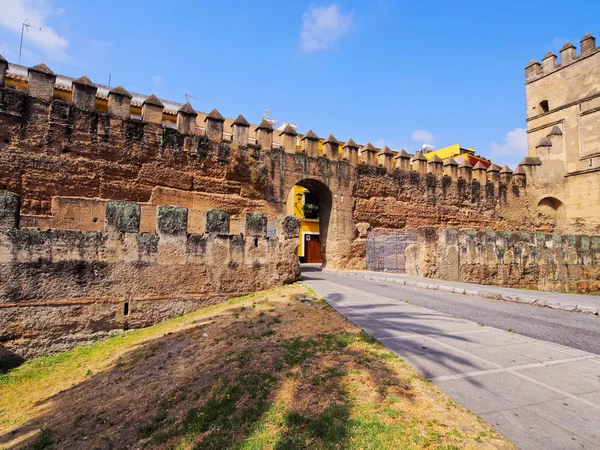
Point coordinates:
[(273, 370)]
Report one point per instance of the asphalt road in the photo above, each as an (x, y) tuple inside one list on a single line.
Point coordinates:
[(574, 330)]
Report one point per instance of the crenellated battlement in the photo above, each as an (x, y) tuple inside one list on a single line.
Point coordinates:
[(546, 261), (183, 129), (121, 259), (568, 56)]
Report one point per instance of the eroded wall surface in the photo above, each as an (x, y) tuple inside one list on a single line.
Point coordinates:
[(63, 287), (543, 261)]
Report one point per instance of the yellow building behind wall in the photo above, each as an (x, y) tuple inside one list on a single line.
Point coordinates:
[(295, 206)]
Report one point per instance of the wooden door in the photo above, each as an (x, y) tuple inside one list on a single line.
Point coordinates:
[(313, 249)]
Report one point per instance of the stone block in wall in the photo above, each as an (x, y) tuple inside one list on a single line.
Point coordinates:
[(217, 221), (172, 221), (122, 217), (288, 227), (254, 224), (10, 205)]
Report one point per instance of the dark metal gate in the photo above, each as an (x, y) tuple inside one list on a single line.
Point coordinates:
[(386, 249)]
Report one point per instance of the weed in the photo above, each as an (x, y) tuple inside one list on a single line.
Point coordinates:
[(509, 329), (480, 436)]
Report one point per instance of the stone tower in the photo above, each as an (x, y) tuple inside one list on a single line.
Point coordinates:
[(563, 134)]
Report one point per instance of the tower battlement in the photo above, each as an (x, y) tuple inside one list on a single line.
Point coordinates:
[(568, 56)]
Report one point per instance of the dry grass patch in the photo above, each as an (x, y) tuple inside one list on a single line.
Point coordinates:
[(268, 371)]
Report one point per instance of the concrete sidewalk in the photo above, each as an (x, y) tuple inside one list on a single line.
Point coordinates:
[(587, 304), (536, 393)]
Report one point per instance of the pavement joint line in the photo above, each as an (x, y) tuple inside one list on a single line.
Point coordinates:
[(551, 346), (558, 391), (556, 422), (512, 370), (452, 333), (476, 373), (558, 425)]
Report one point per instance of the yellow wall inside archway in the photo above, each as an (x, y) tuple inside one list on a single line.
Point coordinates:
[(295, 203)]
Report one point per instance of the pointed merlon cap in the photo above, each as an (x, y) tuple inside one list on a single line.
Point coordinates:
[(350, 143), (120, 90), (386, 151), (402, 154), (2, 60), (465, 164), (550, 54), (506, 169), (419, 156), (153, 101), (479, 166), (215, 115), (330, 139), (544, 142), (494, 168), (369, 148), (84, 81), (533, 62), (41, 68), (288, 129), (241, 121), (567, 46), (450, 162), (311, 136), (586, 37), (555, 131), (435, 159), (530, 161), (264, 125), (519, 171), (187, 109)]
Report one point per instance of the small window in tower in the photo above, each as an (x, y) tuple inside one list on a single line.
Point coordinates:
[(544, 106)]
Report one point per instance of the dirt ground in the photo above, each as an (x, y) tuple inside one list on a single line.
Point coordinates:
[(276, 370)]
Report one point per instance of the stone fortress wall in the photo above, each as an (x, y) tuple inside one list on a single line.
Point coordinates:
[(68, 162), (58, 155), (541, 261), (563, 130), (61, 287)]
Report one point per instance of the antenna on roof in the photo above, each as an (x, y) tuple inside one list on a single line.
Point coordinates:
[(25, 25), (266, 117), (188, 96)]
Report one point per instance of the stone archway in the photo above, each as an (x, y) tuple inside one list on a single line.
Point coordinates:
[(324, 200)]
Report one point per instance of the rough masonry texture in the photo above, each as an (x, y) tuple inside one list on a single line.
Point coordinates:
[(107, 202), (563, 133), (61, 287), (544, 261)]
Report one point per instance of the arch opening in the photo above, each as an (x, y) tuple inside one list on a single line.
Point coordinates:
[(551, 212), (311, 201)]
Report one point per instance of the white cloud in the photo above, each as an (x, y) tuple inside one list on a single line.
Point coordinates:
[(422, 136), (379, 143), (512, 150), (323, 27), (41, 35), (157, 81)]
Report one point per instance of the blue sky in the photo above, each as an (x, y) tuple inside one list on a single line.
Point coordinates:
[(400, 73)]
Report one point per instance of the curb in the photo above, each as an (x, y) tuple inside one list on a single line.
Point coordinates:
[(528, 300)]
